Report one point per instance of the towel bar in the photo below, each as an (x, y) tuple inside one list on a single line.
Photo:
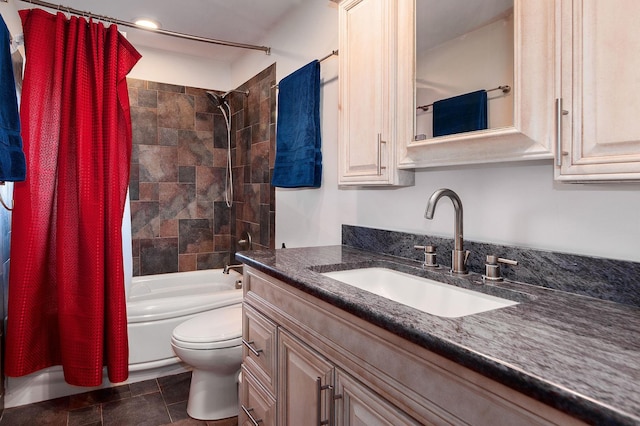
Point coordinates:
[(333, 52), (505, 89)]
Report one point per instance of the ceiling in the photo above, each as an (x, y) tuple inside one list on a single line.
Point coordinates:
[(240, 21), (249, 21)]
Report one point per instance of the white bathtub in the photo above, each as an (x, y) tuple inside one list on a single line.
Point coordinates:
[(156, 304)]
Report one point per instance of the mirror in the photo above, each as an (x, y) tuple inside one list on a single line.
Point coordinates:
[(463, 47), (527, 59)]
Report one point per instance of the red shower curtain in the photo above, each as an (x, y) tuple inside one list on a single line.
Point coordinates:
[(66, 281)]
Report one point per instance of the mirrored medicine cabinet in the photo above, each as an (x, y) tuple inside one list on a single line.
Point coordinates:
[(455, 47)]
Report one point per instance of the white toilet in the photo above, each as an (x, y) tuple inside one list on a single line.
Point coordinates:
[(211, 343)]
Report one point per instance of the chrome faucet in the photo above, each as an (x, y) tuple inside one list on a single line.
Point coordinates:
[(227, 268), (459, 255)]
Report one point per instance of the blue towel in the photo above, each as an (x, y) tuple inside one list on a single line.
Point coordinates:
[(463, 113), (12, 162), (298, 162)]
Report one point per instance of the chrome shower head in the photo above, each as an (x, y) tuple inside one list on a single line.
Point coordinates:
[(216, 99), (219, 100)]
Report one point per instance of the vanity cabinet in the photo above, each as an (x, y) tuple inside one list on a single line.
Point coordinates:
[(307, 383), (368, 36), (598, 105), (335, 368)]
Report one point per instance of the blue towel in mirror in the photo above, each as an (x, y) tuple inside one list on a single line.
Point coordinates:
[(463, 113), (12, 161), (298, 162)]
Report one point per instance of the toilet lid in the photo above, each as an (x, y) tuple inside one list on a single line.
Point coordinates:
[(216, 328)]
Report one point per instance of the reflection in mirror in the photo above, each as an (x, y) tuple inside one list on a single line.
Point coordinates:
[(463, 47)]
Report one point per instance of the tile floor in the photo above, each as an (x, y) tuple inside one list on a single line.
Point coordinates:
[(161, 401)]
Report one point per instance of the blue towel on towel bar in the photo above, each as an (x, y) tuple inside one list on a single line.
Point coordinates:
[(12, 162), (459, 114), (298, 162)]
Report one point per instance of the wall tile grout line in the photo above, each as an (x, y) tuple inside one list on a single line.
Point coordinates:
[(179, 219)]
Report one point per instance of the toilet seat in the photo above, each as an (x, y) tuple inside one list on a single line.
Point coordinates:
[(216, 329)]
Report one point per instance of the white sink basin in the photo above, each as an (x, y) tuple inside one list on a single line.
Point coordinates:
[(427, 295)]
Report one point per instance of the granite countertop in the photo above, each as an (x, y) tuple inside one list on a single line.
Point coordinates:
[(578, 354)]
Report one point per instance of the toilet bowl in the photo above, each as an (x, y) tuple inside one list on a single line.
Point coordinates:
[(211, 343)]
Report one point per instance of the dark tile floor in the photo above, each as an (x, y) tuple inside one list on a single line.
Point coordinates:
[(156, 402)]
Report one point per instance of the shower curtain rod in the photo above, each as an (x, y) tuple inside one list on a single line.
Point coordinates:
[(265, 49)]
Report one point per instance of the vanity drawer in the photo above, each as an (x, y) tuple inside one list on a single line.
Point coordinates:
[(259, 346), (257, 405)]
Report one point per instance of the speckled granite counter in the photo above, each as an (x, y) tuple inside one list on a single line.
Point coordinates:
[(578, 354)]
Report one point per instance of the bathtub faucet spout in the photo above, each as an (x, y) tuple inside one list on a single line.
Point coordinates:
[(227, 268)]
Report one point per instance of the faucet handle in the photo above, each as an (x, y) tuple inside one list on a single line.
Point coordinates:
[(492, 267), (495, 259), (429, 256)]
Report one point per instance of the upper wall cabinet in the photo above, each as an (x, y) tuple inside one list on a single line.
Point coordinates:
[(599, 94), (456, 47), (369, 57)]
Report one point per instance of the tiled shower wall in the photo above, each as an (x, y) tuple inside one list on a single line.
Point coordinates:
[(179, 217)]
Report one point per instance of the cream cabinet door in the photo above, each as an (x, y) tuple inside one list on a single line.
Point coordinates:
[(360, 406), (368, 59), (305, 384), (599, 132)]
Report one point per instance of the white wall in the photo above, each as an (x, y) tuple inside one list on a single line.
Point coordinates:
[(308, 217), (514, 204), (10, 15), (183, 70)]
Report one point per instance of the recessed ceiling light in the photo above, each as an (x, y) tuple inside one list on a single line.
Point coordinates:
[(147, 23)]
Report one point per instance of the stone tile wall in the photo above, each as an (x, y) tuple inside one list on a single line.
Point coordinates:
[(180, 221)]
